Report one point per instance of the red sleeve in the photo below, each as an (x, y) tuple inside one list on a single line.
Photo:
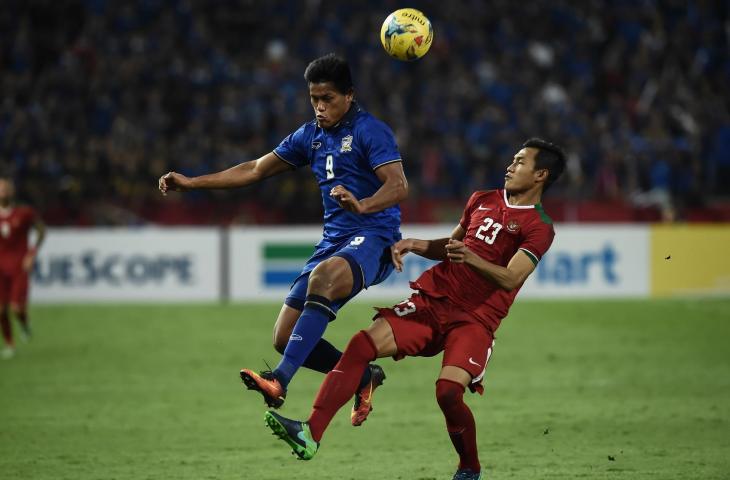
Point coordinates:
[(537, 240), (466, 216)]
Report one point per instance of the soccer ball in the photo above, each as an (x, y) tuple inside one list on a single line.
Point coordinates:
[(406, 34)]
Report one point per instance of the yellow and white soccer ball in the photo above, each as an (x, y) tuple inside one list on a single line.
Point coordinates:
[(406, 34)]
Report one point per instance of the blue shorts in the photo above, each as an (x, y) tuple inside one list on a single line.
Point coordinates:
[(367, 252)]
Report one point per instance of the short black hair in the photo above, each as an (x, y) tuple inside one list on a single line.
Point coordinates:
[(549, 157), (330, 68)]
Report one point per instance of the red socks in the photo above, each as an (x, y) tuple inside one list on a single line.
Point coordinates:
[(459, 423), (341, 383), (5, 325)]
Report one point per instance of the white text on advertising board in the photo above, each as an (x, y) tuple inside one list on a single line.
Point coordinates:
[(566, 268), (91, 268)]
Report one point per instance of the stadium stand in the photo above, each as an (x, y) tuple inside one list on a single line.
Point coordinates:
[(101, 97)]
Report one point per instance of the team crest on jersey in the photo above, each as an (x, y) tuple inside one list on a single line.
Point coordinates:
[(513, 226), (346, 144)]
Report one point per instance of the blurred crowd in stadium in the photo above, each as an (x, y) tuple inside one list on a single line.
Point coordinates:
[(101, 97)]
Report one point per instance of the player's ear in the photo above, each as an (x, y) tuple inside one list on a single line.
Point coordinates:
[(349, 96), (541, 175)]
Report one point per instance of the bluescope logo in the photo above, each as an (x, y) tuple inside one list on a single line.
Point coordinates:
[(283, 262), (91, 268)]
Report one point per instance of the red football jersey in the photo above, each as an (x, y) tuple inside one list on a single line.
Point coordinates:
[(495, 230), (15, 223)]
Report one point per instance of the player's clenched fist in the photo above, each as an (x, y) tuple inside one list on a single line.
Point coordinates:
[(346, 199), (457, 252), (173, 181)]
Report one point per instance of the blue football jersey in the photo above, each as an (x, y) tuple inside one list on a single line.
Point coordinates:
[(347, 154)]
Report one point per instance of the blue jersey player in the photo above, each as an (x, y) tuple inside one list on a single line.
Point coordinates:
[(356, 161)]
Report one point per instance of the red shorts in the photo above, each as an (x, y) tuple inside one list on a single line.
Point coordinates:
[(14, 288), (424, 326)]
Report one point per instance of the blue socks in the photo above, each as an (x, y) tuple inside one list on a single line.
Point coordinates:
[(306, 335), (325, 356), (307, 348)]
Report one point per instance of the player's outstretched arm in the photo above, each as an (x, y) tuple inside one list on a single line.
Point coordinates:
[(508, 278), (432, 249), (393, 191), (239, 176)]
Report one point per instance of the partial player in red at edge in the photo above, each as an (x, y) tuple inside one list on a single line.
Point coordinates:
[(16, 262)]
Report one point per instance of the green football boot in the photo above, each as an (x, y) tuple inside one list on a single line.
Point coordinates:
[(293, 432)]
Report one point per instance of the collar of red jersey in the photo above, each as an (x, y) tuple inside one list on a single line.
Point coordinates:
[(506, 202)]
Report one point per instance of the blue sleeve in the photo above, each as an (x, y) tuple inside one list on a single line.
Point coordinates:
[(295, 147), (379, 144)]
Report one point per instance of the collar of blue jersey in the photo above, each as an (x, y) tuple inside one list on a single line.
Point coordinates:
[(348, 117)]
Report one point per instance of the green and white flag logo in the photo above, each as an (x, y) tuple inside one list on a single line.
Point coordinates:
[(283, 262)]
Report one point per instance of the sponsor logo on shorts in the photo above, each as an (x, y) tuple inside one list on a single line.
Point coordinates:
[(296, 338), (473, 362)]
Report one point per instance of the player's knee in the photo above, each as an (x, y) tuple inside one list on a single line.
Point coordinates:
[(361, 346), (319, 283), (330, 280), (448, 393)]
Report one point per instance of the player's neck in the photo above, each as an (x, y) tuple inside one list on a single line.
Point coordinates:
[(523, 199)]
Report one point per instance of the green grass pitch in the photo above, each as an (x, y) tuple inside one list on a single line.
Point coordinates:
[(585, 389)]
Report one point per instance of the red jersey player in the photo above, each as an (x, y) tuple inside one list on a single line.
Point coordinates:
[(16, 261), (458, 305)]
